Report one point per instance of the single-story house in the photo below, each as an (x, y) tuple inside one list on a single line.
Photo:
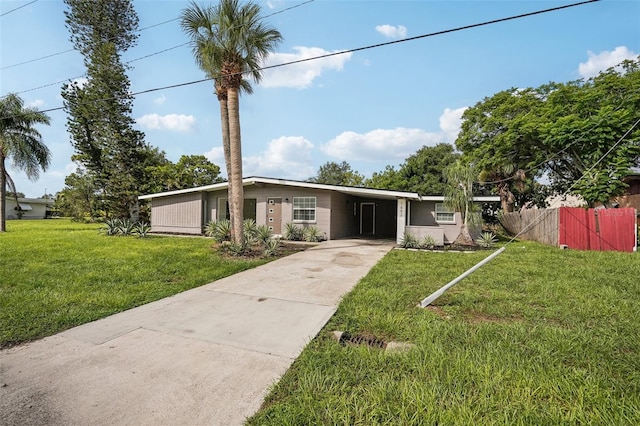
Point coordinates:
[(337, 211), (30, 208)]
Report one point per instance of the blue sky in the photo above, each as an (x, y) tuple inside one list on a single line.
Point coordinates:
[(371, 108)]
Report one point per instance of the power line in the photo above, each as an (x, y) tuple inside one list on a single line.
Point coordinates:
[(138, 31), (358, 49), (17, 8), (132, 60)]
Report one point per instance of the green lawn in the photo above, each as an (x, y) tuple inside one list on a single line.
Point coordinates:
[(55, 274), (539, 336)]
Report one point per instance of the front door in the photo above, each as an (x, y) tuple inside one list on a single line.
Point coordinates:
[(274, 215), (367, 219)]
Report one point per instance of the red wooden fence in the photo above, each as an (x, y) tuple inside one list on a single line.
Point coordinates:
[(601, 229)]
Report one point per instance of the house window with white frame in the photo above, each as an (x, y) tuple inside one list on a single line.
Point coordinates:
[(444, 214), (304, 209)]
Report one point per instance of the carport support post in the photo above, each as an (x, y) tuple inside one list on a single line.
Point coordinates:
[(427, 300), (401, 221)]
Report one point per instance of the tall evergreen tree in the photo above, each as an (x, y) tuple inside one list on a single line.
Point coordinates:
[(99, 109)]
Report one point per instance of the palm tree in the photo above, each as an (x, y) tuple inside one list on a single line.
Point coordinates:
[(458, 195), (229, 41), (20, 141)]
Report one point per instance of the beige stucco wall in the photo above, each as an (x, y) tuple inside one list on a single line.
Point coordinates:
[(423, 213), (38, 208), (181, 214)]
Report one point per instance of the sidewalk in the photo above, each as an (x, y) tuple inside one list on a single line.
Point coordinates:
[(203, 357)]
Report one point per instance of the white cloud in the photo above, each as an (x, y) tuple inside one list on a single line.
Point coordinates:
[(391, 31), (38, 103), (160, 100), (68, 169), (287, 157), (173, 122), (216, 156), (604, 60), (301, 75), (398, 143), (450, 123), (273, 4)]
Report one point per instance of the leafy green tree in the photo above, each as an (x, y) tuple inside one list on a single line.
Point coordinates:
[(230, 42), (386, 179), (80, 198), (575, 133), (421, 172), (21, 142), (332, 173), (189, 172), (99, 110), (458, 195)]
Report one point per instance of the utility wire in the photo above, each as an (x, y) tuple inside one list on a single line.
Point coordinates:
[(138, 31), (17, 8), (584, 174), (373, 46)]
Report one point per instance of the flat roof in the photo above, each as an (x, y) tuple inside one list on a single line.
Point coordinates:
[(349, 190)]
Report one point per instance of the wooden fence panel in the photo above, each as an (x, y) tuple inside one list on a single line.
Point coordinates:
[(602, 229), (538, 224)]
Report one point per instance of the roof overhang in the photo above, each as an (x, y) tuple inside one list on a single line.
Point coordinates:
[(348, 190)]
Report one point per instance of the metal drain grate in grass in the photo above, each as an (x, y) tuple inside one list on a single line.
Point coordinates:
[(347, 338)]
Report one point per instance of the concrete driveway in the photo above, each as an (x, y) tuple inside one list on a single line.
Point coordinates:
[(203, 357)]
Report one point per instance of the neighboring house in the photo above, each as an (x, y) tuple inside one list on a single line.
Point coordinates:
[(30, 208), (337, 211), (631, 197)]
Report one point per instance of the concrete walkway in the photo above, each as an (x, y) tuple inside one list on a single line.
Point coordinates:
[(203, 357)]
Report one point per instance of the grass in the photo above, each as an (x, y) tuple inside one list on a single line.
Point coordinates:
[(539, 336), (56, 274)]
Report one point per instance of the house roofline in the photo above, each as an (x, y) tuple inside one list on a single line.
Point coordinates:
[(350, 190), (256, 180)]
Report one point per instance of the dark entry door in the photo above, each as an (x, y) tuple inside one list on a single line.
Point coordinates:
[(367, 219)]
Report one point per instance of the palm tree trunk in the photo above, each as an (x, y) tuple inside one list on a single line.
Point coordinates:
[(3, 193), (235, 150), (224, 120)]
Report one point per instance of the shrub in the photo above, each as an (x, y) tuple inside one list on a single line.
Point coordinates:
[(250, 230), (141, 229), (409, 241), (293, 232), (487, 240), (263, 234), (126, 227), (312, 234), (111, 227), (271, 247), (428, 242), (219, 231)]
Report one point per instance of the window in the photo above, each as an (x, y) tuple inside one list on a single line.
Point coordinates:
[(304, 209), (249, 209), (444, 214)]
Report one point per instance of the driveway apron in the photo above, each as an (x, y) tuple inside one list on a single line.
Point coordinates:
[(207, 356)]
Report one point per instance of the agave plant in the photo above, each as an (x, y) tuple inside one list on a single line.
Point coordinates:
[(271, 248), (487, 240), (111, 227), (126, 227), (263, 234), (219, 231), (409, 241), (250, 230), (141, 229), (428, 242), (312, 234), (293, 232)]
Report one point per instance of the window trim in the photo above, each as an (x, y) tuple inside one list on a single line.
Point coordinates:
[(442, 209), (314, 209)]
